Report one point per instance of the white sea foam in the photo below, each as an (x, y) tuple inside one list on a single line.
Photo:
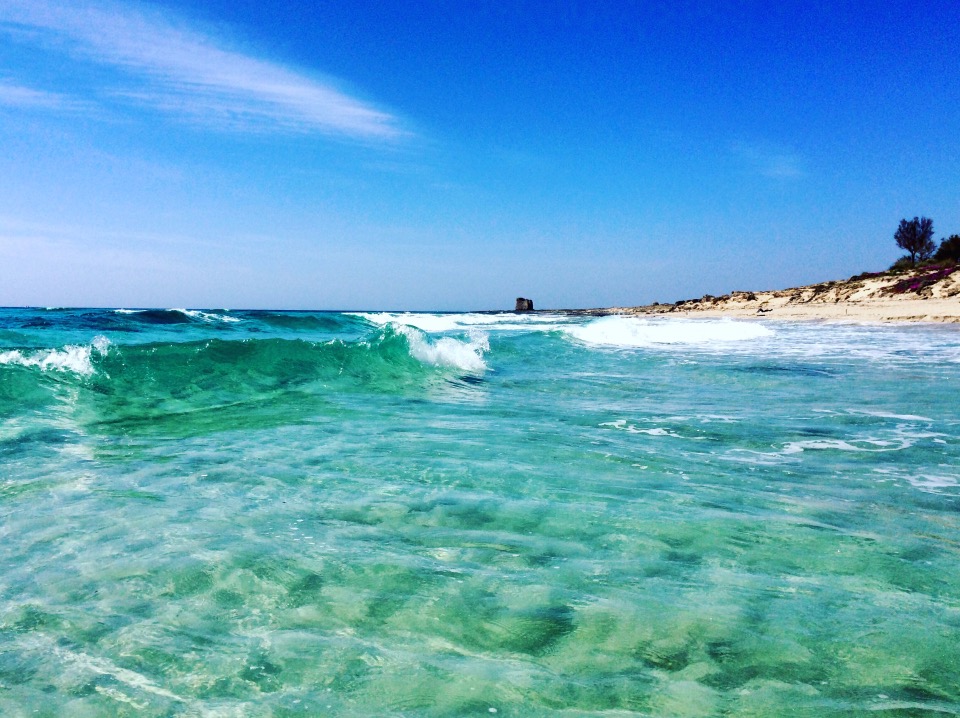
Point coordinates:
[(872, 343), (756, 458), (932, 483), (71, 358), (128, 311), (447, 351), (638, 332)]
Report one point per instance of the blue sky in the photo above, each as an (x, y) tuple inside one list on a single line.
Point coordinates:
[(440, 155)]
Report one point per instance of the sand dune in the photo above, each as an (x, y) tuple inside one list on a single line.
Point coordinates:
[(930, 294)]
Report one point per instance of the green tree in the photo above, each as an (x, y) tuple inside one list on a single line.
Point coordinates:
[(916, 237), (949, 249)]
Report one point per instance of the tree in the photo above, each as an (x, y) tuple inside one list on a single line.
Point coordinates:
[(949, 249), (916, 236)]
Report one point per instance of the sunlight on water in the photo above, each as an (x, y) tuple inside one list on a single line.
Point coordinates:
[(301, 514)]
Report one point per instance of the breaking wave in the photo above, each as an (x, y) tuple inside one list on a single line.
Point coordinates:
[(435, 323), (71, 358), (392, 350), (447, 351), (193, 387), (175, 316)]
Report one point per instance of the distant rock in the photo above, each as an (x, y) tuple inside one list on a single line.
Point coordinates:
[(524, 305)]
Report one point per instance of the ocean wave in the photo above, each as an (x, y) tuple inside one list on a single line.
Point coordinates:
[(632, 332), (188, 388), (156, 316), (194, 387), (308, 321), (393, 353), (71, 358), (174, 316)]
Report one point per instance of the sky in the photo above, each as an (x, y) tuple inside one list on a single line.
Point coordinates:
[(456, 155)]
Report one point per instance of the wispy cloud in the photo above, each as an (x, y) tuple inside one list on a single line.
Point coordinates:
[(170, 66), (770, 161), (13, 95)]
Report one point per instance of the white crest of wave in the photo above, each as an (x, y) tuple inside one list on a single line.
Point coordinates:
[(504, 321), (71, 358), (206, 316), (637, 332), (447, 351)]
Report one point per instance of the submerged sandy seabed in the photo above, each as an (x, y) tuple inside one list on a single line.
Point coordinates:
[(925, 295)]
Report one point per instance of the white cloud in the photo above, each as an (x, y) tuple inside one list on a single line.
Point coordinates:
[(180, 69), (770, 161)]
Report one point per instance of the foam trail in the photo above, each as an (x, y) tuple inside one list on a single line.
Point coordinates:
[(890, 415), (622, 425), (933, 482), (105, 667), (632, 332), (869, 445)]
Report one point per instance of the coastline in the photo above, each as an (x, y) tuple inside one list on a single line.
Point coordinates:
[(929, 294)]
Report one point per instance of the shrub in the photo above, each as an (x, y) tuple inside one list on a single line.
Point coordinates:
[(949, 250), (902, 264)]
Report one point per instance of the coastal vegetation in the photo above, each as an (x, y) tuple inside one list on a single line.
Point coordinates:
[(949, 250), (934, 263), (916, 237)]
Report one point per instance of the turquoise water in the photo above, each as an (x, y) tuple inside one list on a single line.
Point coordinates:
[(302, 514)]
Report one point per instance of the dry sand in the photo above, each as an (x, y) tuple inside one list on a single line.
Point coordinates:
[(924, 295)]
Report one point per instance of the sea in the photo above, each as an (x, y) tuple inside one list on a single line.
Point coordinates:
[(275, 514)]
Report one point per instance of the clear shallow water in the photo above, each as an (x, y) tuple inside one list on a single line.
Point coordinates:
[(300, 514)]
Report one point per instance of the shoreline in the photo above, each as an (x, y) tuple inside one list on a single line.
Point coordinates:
[(928, 294)]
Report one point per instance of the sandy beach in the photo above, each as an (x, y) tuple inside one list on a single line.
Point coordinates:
[(930, 294)]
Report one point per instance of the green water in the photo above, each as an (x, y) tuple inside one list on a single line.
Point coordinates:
[(310, 514)]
